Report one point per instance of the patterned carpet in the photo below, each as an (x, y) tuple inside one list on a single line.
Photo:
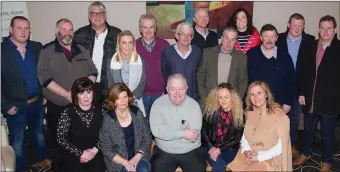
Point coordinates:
[(310, 166)]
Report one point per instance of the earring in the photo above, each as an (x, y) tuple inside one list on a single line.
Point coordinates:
[(251, 108), (267, 105)]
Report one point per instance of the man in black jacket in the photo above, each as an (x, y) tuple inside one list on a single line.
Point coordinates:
[(100, 39), (21, 99), (320, 94), (297, 44)]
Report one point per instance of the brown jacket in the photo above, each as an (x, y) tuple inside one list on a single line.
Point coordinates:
[(262, 135), (207, 72)]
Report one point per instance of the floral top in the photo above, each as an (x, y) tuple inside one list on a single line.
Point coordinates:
[(64, 126)]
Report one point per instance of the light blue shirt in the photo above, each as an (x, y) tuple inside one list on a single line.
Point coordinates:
[(274, 55), (293, 48)]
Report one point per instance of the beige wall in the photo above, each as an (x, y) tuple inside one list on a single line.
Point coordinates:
[(125, 15)]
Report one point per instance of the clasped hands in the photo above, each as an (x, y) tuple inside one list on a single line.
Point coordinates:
[(249, 157), (88, 155), (132, 164), (190, 134)]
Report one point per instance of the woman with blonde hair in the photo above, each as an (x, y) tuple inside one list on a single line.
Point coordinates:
[(265, 144), (127, 67), (222, 126)]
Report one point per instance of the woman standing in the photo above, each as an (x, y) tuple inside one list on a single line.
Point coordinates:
[(222, 126), (265, 144), (248, 36), (78, 129), (127, 67), (125, 136)]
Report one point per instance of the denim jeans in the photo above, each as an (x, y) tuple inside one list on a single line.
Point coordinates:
[(142, 166), (294, 117), (222, 161), (31, 115), (148, 101), (327, 125)]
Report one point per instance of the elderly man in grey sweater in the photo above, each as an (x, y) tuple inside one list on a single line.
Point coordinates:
[(176, 121)]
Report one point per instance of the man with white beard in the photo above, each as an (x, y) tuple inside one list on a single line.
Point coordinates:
[(60, 63)]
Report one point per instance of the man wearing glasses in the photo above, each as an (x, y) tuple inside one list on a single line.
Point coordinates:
[(183, 58), (100, 39), (223, 63)]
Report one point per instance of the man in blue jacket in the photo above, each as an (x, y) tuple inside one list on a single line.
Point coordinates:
[(21, 99)]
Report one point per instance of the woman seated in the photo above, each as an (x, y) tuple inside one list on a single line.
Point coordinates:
[(78, 130), (222, 126), (126, 66), (265, 144), (125, 137)]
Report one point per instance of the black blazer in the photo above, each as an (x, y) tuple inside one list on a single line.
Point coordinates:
[(327, 94), (306, 45), (13, 89), (209, 133)]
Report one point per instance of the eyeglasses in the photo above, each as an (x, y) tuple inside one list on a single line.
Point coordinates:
[(100, 14)]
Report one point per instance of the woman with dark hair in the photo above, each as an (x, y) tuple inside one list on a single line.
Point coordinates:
[(248, 36), (265, 144), (78, 130), (125, 137), (222, 126)]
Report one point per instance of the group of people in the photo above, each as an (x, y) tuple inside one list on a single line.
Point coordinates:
[(235, 105)]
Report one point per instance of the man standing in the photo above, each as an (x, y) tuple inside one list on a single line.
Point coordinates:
[(150, 48), (272, 65), (60, 63), (320, 94), (21, 99), (298, 45), (176, 122), (100, 39), (183, 58), (223, 63), (203, 37)]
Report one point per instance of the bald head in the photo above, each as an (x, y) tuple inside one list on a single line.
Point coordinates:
[(201, 18)]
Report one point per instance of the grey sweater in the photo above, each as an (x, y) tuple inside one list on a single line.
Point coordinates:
[(112, 142), (54, 66), (167, 122)]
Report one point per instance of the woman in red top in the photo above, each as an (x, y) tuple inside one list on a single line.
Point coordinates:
[(248, 36)]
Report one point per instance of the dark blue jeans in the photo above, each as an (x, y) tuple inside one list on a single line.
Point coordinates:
[(222, 161), (142, 166), (327, 125), (294, 117), (31, 115), (148, 101)]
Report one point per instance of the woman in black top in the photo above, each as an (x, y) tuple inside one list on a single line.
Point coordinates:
[(222, 126), (78, 129), (125, 136)]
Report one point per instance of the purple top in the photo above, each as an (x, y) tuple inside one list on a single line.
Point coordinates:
[(154, 78)]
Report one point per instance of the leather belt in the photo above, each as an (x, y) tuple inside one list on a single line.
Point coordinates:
[(31, 100)]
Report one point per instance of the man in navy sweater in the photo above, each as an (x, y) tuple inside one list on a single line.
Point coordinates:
[(183, 58), (272, 65)]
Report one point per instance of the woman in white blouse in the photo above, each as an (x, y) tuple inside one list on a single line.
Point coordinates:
[(265, 144)]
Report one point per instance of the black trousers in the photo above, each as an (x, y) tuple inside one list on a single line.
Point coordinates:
[(193, 161), (53, 114)]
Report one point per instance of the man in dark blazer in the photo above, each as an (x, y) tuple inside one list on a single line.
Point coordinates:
[(223, 63), (297, 44), (320, 95), (21, 99)]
